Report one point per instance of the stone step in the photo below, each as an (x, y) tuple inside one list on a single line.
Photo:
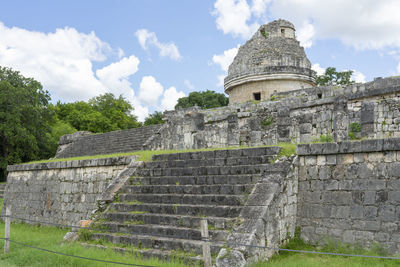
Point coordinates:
[(225, 189), (152, 253), (210, 170), (196, 180), (162, 243), (139, 228), (168, 219), (179, 209), (231, 200), (230, 161), (242, 152)]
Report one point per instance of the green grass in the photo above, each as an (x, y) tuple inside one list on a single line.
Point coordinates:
[(51, 238), (288, 149), (146, 155), (304, 260)]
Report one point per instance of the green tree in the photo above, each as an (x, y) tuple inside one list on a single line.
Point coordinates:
[(25, 119), (205, 99), (155, 118), (100, 114), (333, 77)]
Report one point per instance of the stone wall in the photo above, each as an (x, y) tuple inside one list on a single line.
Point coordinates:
[(85, 143), (350, 191), (298, 116), (60, 192)]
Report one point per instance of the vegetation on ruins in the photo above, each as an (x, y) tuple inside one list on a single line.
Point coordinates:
[(205, 100), (155, 118), (333, 77)]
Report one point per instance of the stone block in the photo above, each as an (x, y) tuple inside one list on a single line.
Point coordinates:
[(331, 159), (324, 172), (372, 145), (305, 128), (391, 144), (370, 212), (321, 160), (359, 157), (345, 159), (331, 185), (310, 160), (375, 157), (356, 212), (303, 149), (387, 213), (394, 170)]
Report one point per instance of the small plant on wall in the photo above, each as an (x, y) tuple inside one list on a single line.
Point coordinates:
[(354, 131), (267, 122)]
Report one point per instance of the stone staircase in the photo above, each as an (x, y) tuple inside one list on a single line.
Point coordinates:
[(158, 211), (2, 189), (108, 143)]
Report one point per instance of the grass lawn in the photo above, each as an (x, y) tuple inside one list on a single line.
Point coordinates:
[(51, 238)]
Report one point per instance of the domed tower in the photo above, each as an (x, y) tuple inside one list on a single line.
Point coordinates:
[(271, 61)]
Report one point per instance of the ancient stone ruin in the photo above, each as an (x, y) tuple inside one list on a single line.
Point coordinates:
[(346, 189), (271, 61)]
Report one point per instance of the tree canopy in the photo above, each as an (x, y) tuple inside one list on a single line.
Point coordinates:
[(155, 118), (333, 77), (25, 119), (100, 114), (205, 99)]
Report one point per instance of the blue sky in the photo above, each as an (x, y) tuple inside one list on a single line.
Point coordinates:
[(155, 51)]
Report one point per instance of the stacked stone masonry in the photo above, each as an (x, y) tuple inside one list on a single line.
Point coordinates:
[(350, 192), (60, 192)]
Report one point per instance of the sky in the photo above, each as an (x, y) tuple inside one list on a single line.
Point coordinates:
[(152, 52)]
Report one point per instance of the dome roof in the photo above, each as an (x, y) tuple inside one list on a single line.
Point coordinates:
[(273, 49)]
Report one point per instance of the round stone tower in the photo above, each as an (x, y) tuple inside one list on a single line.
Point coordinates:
[(271, 61)]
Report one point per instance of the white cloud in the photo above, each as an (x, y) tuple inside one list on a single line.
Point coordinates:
[(367, 24), (170, 98), (232, 17), (189, 85), (61, 61), (226, 58), (147, 38), (115, 76), (259, 7), (305, 35), (358, 77), (318, 69), (150, 90)]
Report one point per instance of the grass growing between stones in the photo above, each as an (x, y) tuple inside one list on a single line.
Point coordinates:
[(288, 149), (304, 260)]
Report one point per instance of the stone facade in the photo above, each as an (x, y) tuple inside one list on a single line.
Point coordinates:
[(60, 192), (271, 61), (350, 192), (298, 116)]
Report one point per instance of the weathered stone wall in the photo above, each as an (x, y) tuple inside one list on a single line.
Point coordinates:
[(84, 143), (266, 88), (60, 192), (350, 191), (296, 116)]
